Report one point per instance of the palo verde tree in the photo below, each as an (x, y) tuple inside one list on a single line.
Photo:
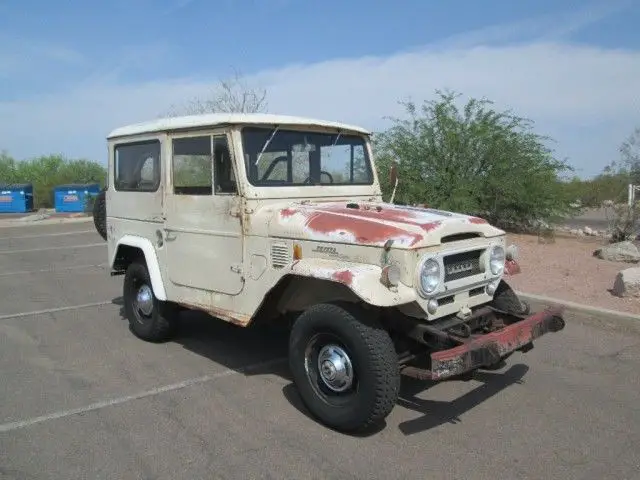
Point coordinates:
[(476, 160)]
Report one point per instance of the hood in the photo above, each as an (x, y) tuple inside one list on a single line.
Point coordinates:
[(371, 223)]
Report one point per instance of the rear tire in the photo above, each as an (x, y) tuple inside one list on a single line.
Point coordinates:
[(149, 318), (358, 382), (100, 214)]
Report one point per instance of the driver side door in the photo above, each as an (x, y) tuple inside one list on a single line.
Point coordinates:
[(204, 242)]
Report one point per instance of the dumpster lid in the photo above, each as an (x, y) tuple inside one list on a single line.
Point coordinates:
[(15, 186), (76, 186)]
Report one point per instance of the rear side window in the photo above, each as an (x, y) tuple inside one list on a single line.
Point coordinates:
[(137, 166)]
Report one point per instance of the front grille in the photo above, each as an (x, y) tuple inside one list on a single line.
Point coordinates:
[(461, 265)]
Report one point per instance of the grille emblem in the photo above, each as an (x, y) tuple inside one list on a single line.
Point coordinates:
[(459, 267)]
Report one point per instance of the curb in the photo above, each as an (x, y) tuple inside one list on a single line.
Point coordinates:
[(579, 307)]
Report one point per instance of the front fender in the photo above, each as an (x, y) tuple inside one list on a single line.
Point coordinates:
[(150, 258), (363, 280)]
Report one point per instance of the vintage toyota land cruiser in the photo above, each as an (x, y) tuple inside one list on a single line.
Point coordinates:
[(254, 217)]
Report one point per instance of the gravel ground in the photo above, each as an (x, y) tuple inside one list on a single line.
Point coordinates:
[(567, 270)]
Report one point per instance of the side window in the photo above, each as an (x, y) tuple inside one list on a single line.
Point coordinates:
[(137, 166), (192, 166), (224, 175)]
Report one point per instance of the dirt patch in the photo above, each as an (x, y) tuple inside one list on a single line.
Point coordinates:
[(567, 270)]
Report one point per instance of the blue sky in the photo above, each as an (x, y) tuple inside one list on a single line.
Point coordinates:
[(72, 71)]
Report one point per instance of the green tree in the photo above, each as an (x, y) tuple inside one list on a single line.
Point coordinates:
[(478, 161), (593, 192)]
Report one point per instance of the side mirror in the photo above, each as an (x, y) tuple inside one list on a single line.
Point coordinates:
[(393, 173)]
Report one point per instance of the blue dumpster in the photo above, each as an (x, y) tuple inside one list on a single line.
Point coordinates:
[(74, 197), (16, 198)]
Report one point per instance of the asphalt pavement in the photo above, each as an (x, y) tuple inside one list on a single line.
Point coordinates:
[(81, 397)]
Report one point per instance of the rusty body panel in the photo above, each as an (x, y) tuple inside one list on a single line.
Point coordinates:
[(362, 280), (236, 318), (512, 267), (368, 223), (481, 350)]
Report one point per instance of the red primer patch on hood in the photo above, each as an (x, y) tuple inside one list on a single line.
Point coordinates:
[(397, 215), (288, 212), (364, 231), (343, 276)]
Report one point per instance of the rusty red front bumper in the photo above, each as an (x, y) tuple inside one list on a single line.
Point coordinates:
[(485, 350)]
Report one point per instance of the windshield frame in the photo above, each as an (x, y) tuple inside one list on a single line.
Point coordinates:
[(270, 133)]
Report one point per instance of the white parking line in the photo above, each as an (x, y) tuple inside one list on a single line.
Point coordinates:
[(54, 310), (65, 247), (58, 234), (51, 270), (7, 427)]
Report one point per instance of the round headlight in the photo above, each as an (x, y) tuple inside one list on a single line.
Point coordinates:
[(496, 260), (429, 276)]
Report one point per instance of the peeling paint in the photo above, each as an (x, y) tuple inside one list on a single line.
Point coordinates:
[(343, 276), (236, 318), (511, 267), (372, 223), (361, 279), (456, 360), (287, 212), (356, 230)]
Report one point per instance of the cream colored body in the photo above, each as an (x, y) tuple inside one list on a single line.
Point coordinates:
[(225, 253)]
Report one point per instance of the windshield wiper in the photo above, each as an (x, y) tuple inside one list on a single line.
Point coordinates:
[(266, 144)]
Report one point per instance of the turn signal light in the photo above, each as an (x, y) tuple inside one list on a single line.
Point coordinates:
[(390, 276)]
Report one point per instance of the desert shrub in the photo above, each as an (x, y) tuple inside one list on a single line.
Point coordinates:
[(476, 160), (623, 220)]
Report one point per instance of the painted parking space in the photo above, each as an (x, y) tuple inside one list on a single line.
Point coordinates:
[(81, 397), (28, 241)]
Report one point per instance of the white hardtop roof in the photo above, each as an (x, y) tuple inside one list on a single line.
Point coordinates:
[(215, 119)]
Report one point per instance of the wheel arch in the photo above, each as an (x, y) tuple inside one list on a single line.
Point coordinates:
[(131, 248), (297, 291)]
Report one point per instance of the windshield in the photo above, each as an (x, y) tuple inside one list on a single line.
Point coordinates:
[(280, 157)]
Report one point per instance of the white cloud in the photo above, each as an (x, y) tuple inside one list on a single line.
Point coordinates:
[(552, 27), (22, 56), (585, 97)]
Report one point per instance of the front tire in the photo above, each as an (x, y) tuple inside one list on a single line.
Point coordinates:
[(149, 318), (345, 369)]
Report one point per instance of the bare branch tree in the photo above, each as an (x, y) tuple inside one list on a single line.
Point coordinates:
[(232, 95)]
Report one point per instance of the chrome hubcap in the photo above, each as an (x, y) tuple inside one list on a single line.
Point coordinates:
[(335, 368), (144, 300)]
